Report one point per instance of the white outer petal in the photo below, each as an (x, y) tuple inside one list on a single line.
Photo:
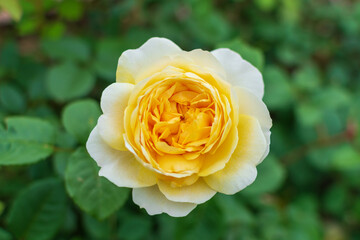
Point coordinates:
[(240, 171), (251, 105), (236, 181), (267, 135), (199, 192), (239, 72), (136, 64), (154, 202), (119, 167), (114, 100)]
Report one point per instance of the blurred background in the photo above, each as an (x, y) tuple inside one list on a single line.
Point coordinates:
[(57, 56)]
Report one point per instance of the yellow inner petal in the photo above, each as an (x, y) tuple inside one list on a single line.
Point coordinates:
[(177, 120)]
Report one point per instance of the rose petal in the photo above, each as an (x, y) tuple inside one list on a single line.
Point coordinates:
[(201, 58), (217, 161), (240, 72), (240, 171), (231, 182), (154, 202), (250, 104), (136, 64), (178, 164), (198, 192), (114, 100), (120, 167), (267, 135)]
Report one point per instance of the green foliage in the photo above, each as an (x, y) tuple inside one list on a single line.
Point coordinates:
[(97, 229), (94, 194), (346, 158), (71, 10), (234, 211), (271, 175), (12, 99), (9, 57), (53, 30), (42, 220), (135, 227), (1, 207), (335, 199), (25, 140), (80, 117), (4, 235), (303, 219), (106, 58), (266, 5), (207, 24), (60, 162), (68, 81), (307, 78), (279, 92), (66, 49), (308, 114)]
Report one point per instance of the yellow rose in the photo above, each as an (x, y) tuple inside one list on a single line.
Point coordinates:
[(179, 126)]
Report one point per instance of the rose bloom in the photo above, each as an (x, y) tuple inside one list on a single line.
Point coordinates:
[(179, 126)]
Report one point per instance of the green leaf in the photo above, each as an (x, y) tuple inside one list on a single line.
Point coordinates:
[(271, 175), (65, 140), (92, 193), (332, 97), (303, 219), (338, 73), (266, 5), (71, 10), (98, 230), (60, 162), (4, 235), (169, 226), (247, 52), (26, 140), (37, 89), (2, 207), (67, 49), (67, 81), (53, 30), (135, 228), (269, 220), (308, 114), (335, 199), (278, 91), (321, 158), (37, 212), (70, 223), (107, 53), (307, 78), (28, 26), (66, 143), (9, 56), (289, 55), (80, 117), (290, 10), (12, 99), (12, 7), (233, 211), (346, 158), (206, 23)]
